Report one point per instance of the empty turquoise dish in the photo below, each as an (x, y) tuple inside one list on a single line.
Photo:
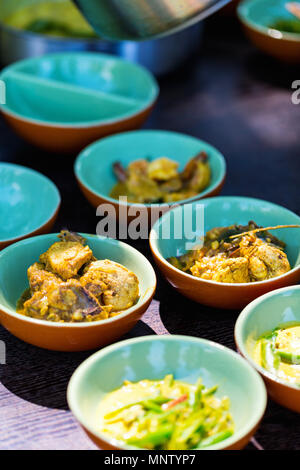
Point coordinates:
[(152, 358), (278, 308), (71, 99), (94, 166), (29, 203)]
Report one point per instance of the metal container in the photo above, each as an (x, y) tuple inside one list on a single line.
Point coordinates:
[(145, 19), (160, 56)]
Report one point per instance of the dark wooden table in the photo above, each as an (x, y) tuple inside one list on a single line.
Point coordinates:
[(236, 99)]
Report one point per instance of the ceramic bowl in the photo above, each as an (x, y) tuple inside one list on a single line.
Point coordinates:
[(62, 102), (260, 316), (153, 357), (221, 212), (257, 18), (14, 262), (94, 172), (29, 203)]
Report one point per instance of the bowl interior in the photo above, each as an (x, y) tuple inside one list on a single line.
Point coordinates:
[(184, 226), (15, 260), (152, 358), (94, 165), (77, 89), (266, 313), (27, 201), (264, 13)]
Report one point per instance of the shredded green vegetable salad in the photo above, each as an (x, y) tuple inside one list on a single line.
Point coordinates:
[(167, 414)]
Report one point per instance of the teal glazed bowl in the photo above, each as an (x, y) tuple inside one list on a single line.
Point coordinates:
[(63, 102), (153, 357), (29, 203), (14, 262), (259, 19), (172, 232), (277, 308), (94, 166)]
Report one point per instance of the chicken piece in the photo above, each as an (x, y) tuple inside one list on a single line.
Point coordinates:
[(221, 269), (140, 187), (112, 284), (261, 253), (162, 169), (66, 258), (40, 279), (67, 236), (65, 302)]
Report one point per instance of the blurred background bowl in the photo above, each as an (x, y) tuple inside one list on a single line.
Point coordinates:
[(160, 56), (29, 203), (258, 18), (266, 313)]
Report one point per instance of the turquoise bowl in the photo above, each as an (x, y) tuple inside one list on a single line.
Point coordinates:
[(153, 357), (277, 308), (171, 233), (258, 18), (14, 262), (63, 102), (29, 203), (94, 172)]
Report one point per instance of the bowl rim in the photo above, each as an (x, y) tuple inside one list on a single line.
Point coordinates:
[(87, 151), (142, 107), (280, 35), (78, 373), (243, 316), (141, 302), (49, 182), (157, 255)]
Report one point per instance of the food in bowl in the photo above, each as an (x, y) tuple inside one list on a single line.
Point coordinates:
[(287, 25), (166, 414), (236, 254), (59, 19), (68, 284), (278, 352), (159, 180)]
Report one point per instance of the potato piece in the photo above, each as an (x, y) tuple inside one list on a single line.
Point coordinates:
[(66, 258)]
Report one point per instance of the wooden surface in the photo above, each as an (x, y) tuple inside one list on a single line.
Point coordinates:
[(236, 99)]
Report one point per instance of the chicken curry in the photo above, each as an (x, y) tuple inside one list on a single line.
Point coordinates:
[(68, 284), (236, 254), (160, 181)]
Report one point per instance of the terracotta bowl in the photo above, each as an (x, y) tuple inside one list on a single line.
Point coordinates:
[(94, 166), (152, 358), (257, 18), (63, 102), (14, 262), (29, 203), (221, 212), (260, 316)]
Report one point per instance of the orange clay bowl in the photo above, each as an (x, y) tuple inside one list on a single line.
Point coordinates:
[(29, 203), (257, 18), (14, 262), (189, 223), (63, 102), (278, 308), (94, 167)]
